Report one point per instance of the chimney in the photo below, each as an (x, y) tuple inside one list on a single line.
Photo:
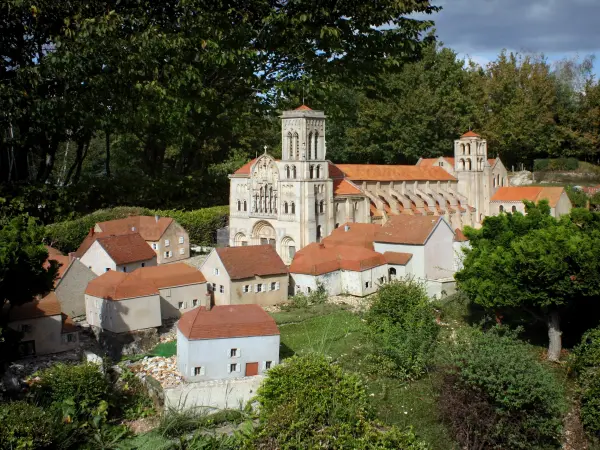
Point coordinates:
[(346, 228), (156, 217), (92, 231), (208, 300)]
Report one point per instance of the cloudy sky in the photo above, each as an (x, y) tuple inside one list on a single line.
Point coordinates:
[(480, 29)]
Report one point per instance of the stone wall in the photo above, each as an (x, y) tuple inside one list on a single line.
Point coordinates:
[(131, 343)]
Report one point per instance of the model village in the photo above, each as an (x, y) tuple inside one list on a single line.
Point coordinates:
[(296, 224)]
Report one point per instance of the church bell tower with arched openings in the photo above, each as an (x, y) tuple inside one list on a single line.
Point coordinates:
[(473, 171)]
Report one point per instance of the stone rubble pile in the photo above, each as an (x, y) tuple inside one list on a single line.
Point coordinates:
[(163, 370)]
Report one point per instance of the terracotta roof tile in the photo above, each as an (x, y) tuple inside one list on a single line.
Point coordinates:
[(147, 226), (492, 161), (63, 261), (407, 229), (245, 169), (47, 306), (303, 107), (373, 172), (318, 259), (68, 326), (127, 248), (459, 236), (345, 187), (373, 211), (114, 285), (227, 321), (531, 193), (334, 171), (470, 134), (251, 260), (398, 258), (358, 235)]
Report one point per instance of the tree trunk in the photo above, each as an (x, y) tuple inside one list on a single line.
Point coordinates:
[(107, 153), (554, 336)]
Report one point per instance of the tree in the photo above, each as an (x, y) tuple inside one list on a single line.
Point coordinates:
[(534, 264), (24, 273)]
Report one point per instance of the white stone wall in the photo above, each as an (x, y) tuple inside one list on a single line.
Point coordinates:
[(172, 296), (439, 252), (417, 262), (121, 316), (459, 255), (97, 259), (208, 267), (46, 332)]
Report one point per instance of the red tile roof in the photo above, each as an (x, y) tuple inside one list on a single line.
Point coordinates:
[(531, 193), (334, 171), (459, 236), (147, 226), (373, 172), (407, 229), (397, 258), (68, 326), (245, 169), (303, 107), (318, 259), (227, 321), (591, 190), (250, 261), (127, 248), (63, 261), (345, 187), (114, 285), (358, 235), (47, 306), (470, 134)]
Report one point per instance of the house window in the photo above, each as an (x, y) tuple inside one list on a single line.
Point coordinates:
[(199, 371), (69, 337), (514, 209), (259, 287), (233, 367), (25, 328), (221, 289), (321, 207), (182, 251), (368, 284), (268, 364), (501, 208), (167, 292), (273, 286), (195, 302), (246, 288), (154, 246), (181, 305), (214, 287), (124, 268), (143, 264), (308, 289), (181, 239), (107, 269), (167, 242), (216, 271), (233, 353)]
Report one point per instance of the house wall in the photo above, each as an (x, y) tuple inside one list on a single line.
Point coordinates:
[(268, 297), (97, 259), (401, 271), (130, 267), (70, 290), (439, 253), (459, 255), (331, 282), (416, 266), (47, 334), (563, 206), (171, 297), (440, 288), (211, 263), (172, 234), (214, 355), (123, 315)]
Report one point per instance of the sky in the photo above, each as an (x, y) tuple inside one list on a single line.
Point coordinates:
[(480, 29)]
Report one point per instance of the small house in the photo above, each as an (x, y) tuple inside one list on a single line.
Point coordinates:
[(227, 341), (510, 199), (246, 274)]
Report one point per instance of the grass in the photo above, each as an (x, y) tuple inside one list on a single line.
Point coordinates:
[(165, 349), (302, 314)]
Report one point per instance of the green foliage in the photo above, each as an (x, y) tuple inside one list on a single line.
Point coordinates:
[(132, 398), (307, 402), (23, 274), (164, 349), (540, 165), (404, 331), (317, 296), (201, 224), (496, 394), (558, 164), (78, 391), (24, 426), (578, 198)]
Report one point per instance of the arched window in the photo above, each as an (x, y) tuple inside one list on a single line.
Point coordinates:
[(462, 164), (294, 172), (316, 207), (462, 148), (392, 273), (468, 149), (245, 205), (494, 181), (285, 207), (287, 172), (239, 205), (319, 233), (311, 171), (468, 164), (297, 146), (290, 146), (316, 145), (293, 208), (318, 171), (321, 206), (310, 135), (514, 209), (501, 209), (337, 225)]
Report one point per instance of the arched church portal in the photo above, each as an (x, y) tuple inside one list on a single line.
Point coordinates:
[(263, 233)]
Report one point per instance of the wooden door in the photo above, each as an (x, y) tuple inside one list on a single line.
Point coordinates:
[(251, 369)]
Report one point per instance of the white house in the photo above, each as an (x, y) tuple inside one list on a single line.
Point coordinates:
[(102, 252), (229, 341)]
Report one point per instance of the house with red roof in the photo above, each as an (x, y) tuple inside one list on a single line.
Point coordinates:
[(226, 342), (247, 274), (510, 199)]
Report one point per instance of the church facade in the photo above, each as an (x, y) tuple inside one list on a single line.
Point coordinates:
[(300, 199)]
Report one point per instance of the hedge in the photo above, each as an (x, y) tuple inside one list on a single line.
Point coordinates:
[(201, 224), (542, 165)]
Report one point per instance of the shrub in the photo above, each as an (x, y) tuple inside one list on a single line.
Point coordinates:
[(404, 331), (496, 394), (317, 297), (201, 224), (308, 403), (572, 164), (24, 426), (76, 390), (578, 198), (539, 165)]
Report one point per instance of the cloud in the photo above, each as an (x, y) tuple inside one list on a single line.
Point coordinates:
[(548, 26)]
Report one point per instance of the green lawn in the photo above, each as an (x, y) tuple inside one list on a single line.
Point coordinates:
[(343, 336), (165, 349)]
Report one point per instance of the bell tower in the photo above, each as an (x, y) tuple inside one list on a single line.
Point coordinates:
[(473, 171), (303, 135)]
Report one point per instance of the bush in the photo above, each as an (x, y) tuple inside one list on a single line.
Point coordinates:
[(308, 403), (539, 165), (585, 364), (75, 390), (24, 426), (578, 198), (317, 297), (201, 224), (496, 394), (404, 330), (559, 164)]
